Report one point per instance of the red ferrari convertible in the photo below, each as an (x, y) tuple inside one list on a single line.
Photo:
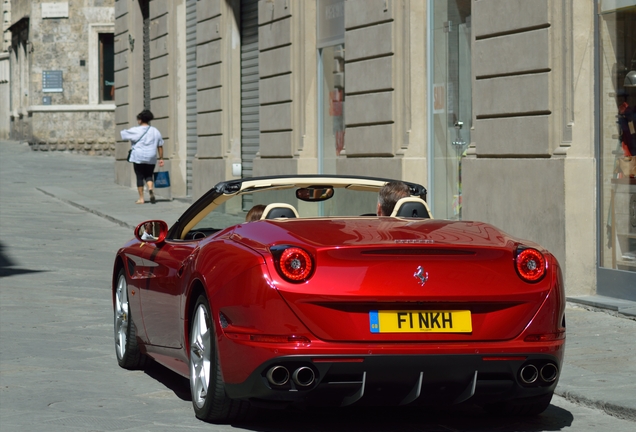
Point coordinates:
[(319, 301)]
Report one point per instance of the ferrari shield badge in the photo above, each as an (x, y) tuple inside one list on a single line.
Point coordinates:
[(421, 275)]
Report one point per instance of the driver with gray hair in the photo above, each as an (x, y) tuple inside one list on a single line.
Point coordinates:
[(389, 195)]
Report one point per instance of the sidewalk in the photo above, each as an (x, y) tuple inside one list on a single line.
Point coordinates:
[(87, 182), (600, 359)]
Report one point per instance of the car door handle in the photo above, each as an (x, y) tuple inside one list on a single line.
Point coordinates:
[(185, 263)]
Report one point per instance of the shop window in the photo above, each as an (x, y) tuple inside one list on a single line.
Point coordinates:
[(332, 106), (617, 149), (106, 67), (450, 103), (331, 77)]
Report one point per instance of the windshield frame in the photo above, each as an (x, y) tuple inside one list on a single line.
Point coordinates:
[(226, 190)]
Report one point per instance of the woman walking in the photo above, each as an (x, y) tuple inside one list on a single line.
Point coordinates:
[(146, 143)]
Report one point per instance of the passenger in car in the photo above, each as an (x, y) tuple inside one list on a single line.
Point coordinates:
[(255, 213), (389, 194)]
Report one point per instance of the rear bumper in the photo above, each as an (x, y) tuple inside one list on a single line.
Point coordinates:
[(398, 379)]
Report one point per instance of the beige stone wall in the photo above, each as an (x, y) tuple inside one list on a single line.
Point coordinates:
[(20, 8), (74, 139), (531, 169), (67, 44), (60, 44), (385, 89), (218, 87), (89, 126), (5, 22), (287, 68), (128, 82), (4, 95)]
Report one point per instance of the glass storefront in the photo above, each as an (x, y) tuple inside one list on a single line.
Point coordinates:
[(331, 76), (332, 103), (450, 95), (617, 148)]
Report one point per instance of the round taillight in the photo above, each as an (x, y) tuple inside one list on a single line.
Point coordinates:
[(530, 264), (295, 264)]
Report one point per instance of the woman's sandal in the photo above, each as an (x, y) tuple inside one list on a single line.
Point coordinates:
[(152, 197)]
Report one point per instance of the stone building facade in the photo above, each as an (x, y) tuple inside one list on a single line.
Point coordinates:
[(5, 70), (62, 75), (489, 103)]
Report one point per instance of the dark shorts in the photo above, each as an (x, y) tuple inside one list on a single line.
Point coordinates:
[(143, 173)]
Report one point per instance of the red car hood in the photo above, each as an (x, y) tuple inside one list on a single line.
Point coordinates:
[(368, 264)]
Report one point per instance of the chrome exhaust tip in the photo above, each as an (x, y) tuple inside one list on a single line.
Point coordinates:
[(304, 376), (529, 374), (549, 372), (278, 375)]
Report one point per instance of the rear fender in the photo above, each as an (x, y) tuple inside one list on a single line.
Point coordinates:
[(251, 305), (213, 266), (550, 317), (219, 262)]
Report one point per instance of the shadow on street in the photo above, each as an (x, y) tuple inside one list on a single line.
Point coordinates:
[(7, 265), (376, 419), (173, 381)]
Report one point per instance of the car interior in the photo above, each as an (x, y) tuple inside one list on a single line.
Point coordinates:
[(291, 197)]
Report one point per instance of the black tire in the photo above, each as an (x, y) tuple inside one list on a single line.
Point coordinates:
[(521, 407), (127, 349), (211, 405)]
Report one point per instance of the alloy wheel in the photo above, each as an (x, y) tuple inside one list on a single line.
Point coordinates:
[(200, 350), (121, 316)]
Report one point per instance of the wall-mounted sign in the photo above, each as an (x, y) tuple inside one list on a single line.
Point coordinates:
[(55, 10), (52, 81)]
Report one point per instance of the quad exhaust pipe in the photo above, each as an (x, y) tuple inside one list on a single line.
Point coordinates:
[(549, 373), (279, 376), (530, 374), (304, 376)]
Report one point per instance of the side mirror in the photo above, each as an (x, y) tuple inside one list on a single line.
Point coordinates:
[(153, 231)]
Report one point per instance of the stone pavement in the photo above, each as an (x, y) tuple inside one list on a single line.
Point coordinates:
[(99, 194), (600, 359)]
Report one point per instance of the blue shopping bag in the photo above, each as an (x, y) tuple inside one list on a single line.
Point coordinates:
[(162, 179)]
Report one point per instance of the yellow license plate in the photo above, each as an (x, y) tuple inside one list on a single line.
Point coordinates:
[(400, 321)]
